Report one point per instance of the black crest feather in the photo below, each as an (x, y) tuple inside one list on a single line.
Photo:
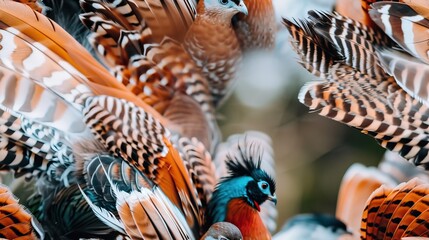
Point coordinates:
[(248, 163)]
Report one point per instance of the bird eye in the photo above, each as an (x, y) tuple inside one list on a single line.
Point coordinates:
[(264, 185), (223, 2)]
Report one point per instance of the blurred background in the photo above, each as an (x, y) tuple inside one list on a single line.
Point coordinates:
[(312, 153)]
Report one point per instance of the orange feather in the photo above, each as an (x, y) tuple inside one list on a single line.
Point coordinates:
[(42, 34), (247, 219)]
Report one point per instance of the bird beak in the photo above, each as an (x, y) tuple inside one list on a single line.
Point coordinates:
[(242, 8), (272, 199)]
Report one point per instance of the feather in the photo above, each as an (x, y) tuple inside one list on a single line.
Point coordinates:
[(36, 5), (105, 216), (356, 47), (409, 73), (310, 48), (356, 186), (147, 216), (101, 171), (170, 18), (404, 25), (15, 220), (156, 72), (66, 213), (37, 37), (136, 136), (389, 210), (200, 168)]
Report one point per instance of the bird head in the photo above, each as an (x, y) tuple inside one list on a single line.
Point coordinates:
[(245, 181), (223, 231), (255, 184), (226, 6)]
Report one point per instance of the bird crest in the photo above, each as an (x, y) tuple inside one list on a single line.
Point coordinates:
[(247, 162)]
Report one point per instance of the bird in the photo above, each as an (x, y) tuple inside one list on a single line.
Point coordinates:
[(257, 30), (75, 126), (230, 148), (367, 84), (162, 74), (238, 196), (190, 24)]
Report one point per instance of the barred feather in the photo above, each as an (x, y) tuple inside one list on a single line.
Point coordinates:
[(356, 91), (65, 67), (15, 221), (154, 71), (409, 73), (168, 18), (354, 44), (390, 213), (310, 48), (137, 137), (200, 167)]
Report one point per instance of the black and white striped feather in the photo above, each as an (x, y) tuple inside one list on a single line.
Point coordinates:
[(358, 90)]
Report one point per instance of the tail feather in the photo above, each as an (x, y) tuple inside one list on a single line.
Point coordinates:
[(64, 68), (371, 106), (386, 214), (415, 200), (140, 139)]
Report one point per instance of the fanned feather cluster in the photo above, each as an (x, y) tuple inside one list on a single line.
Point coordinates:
[(366, 84), (125, 153)]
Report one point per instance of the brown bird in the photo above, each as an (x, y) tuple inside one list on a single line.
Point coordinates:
[(159, 71), (216, 55), (258, 29), (73, 125)]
